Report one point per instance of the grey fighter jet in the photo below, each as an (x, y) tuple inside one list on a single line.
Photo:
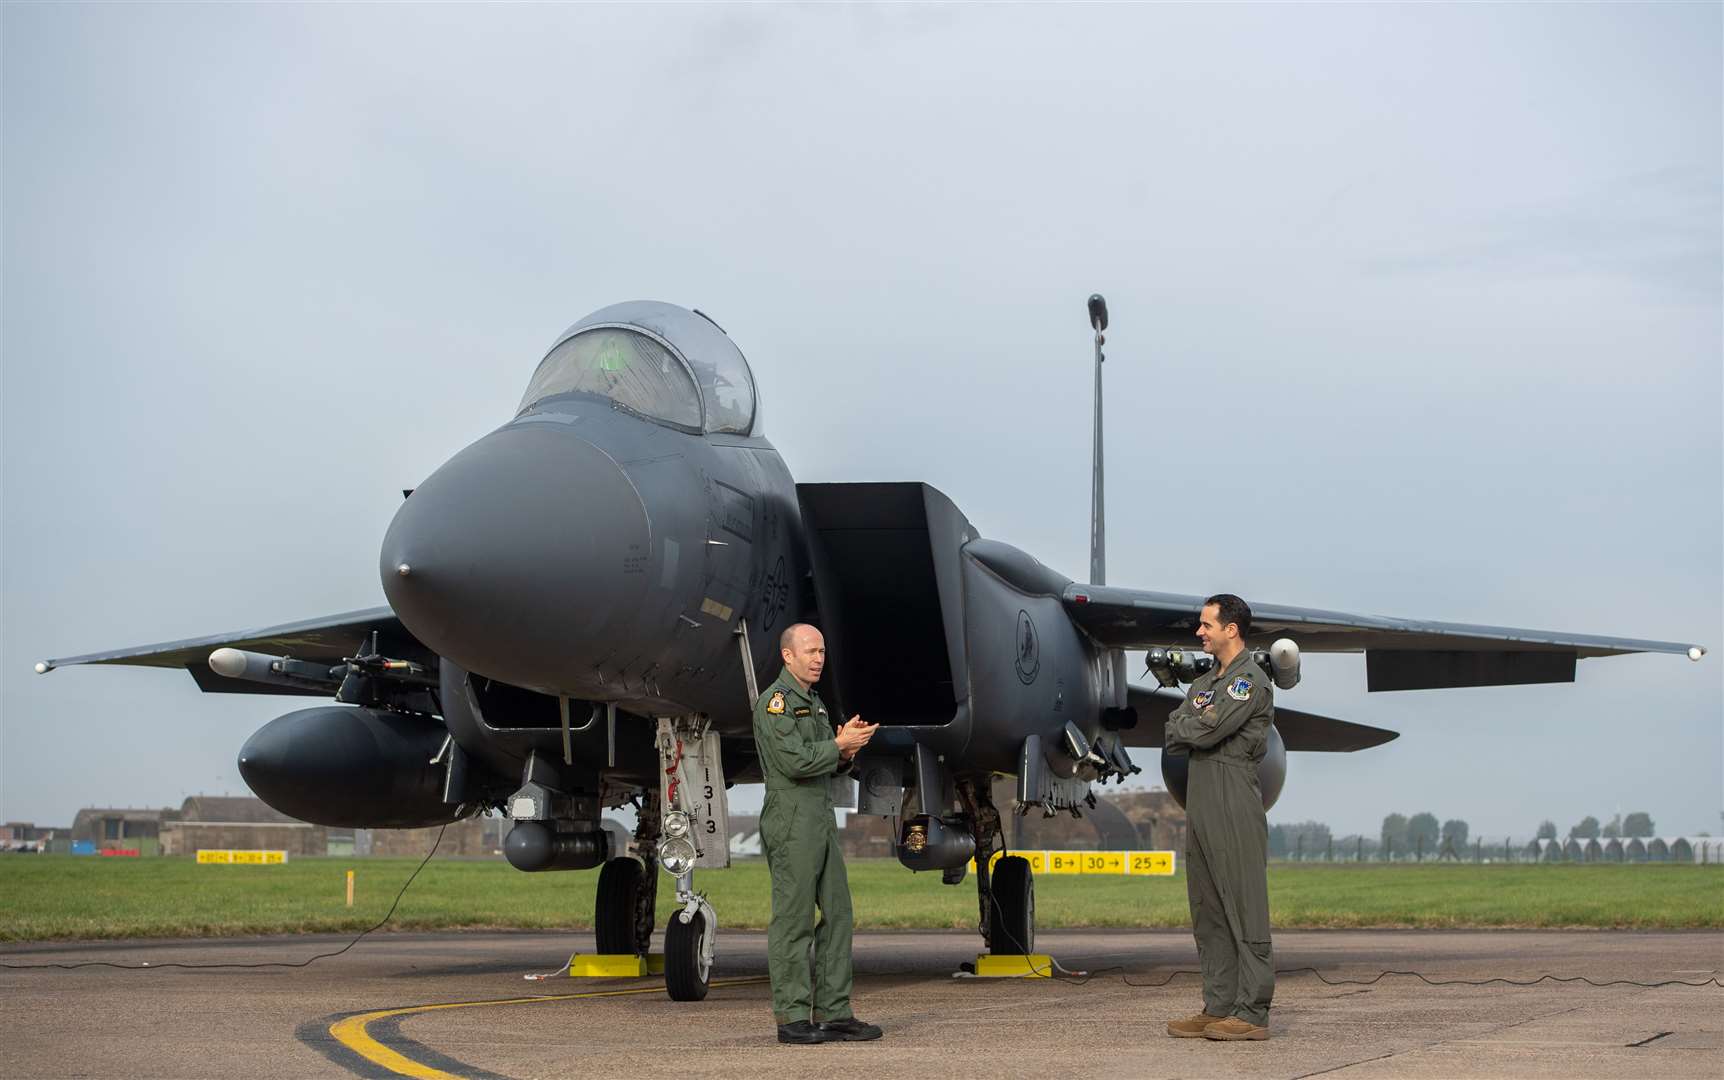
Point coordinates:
[(579, 603)]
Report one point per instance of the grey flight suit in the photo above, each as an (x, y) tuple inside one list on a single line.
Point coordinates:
[(798, 754), (1224, 726)]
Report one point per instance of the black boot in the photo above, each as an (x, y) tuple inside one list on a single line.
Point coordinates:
[(851, 1030), (801, 1031)]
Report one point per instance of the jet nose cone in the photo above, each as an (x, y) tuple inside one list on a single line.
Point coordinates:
[(521, 558)]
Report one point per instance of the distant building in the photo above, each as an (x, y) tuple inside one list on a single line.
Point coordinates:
[(867, 836), (113, 829), (218, 822), (22, 836), (1122, 821), (469, 838)]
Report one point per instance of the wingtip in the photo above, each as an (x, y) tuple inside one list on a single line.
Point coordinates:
[(1695, 652), (44, 666)]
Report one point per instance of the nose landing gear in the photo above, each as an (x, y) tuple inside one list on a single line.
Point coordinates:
[(695, 829)]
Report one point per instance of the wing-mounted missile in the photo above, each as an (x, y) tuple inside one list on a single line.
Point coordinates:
[(1173, 666), (1283, 663), (367, 679), (275, 670)]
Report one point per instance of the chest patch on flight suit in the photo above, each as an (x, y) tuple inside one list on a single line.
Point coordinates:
[(801, 711), (776, 705), (1202, 698), (1240, 689)]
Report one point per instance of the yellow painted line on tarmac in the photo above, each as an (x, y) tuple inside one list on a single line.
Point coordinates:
[(351, 1032)]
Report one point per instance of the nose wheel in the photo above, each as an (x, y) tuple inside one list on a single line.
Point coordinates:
[(688, 940)]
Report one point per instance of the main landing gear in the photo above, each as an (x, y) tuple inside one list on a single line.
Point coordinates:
[(628, 892), (1005, 889)]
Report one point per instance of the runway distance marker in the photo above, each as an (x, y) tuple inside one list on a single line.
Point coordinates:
[(1152, 863), (231, 857), (351, 1031)]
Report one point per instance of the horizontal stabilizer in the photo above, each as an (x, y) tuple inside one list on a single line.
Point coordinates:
[(1299, 730)]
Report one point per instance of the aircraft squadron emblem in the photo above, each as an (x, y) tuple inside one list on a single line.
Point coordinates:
[(1240, 690), (776, 705), (1029, 660)]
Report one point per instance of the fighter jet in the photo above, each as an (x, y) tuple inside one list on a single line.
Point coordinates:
[(580, 601)]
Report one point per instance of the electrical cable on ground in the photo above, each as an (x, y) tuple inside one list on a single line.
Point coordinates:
[(146, 966)]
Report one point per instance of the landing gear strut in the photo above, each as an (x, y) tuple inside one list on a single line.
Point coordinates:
[(694, 824), (1005, 889)]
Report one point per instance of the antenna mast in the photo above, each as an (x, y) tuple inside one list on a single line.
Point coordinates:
[(1097, 510)]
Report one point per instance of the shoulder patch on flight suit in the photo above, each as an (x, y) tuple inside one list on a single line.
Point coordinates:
[(1202, 698), (776, 705), (1240, 689), (801, 711)]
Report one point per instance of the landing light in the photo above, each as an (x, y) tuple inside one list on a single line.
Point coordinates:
[(1695, 652), (676, 854), (676, 824), (42, 666)]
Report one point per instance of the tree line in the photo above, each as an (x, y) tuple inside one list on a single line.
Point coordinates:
[(1637, 825), (1422, 836)]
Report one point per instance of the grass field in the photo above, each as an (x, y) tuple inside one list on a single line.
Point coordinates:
[(47, 897)]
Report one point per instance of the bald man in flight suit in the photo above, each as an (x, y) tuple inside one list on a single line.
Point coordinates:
[(798, 755)]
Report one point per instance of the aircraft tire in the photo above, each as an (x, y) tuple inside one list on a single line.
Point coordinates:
[(1013, 931), (620, 883), (685, 977)]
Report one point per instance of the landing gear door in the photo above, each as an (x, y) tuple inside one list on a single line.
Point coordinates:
[(693, 767)]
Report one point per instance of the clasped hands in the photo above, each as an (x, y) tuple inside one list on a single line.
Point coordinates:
[(853, 736)]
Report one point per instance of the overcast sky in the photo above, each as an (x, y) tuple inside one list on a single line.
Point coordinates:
[(1448, 279)]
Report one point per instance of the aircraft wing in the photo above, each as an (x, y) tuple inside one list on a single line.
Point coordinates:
[(1299, 730), (329, 639), (1400, 654)]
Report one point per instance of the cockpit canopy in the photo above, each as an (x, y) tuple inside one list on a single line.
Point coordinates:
[(660, 361)]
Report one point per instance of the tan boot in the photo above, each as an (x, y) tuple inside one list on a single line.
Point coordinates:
[(1191, 1027), (1234, 1029)]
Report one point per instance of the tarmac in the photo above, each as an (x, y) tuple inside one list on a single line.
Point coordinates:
[(456, 1004)]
